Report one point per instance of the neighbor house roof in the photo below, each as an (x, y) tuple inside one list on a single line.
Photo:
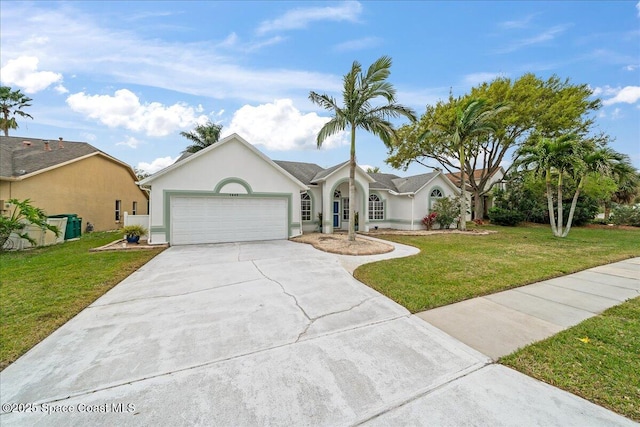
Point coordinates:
[(22, 157), (477, 174)]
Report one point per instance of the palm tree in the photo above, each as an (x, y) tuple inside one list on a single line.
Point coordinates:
[(202, 136), (359, 92), (567, 154), (600, 161), (548, 156), (472, 119), (11, 104)]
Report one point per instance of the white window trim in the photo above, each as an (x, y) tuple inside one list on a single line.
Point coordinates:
[(305, 211)]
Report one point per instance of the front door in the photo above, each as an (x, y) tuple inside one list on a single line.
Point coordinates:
[(336, 214)]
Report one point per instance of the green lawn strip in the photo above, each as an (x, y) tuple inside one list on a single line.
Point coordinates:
[(41, 289), (455, 267), (605, 369)]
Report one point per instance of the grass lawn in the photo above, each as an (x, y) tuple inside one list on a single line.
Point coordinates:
[(454, 267), (41, 289), (599, 359)]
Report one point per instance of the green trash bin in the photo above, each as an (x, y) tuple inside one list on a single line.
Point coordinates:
[(74, 224)]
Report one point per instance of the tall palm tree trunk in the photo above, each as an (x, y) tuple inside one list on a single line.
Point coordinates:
[(352, 186), (552, 217), (462, 226), (574, 202), (560, 216)]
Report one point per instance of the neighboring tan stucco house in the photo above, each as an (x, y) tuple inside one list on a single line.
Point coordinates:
[(230, 191), (64, 177)]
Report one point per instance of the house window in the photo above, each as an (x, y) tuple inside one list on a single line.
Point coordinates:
[(337, 194), (345, 209), (376, 207), (436, 193), (305, 206), (118, 207), (134, 208)]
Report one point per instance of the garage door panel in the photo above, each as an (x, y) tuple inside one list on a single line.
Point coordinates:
[(215, 220)]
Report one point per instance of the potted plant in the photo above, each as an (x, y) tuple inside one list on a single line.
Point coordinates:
[(320, 221), (133, 233)]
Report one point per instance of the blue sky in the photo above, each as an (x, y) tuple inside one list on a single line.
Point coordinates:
[(127, 77)]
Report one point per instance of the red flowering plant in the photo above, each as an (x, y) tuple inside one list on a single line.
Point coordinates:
[(429, 220)]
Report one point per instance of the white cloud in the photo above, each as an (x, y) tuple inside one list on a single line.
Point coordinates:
[(628, 95), (631, 67), (23, 72), (542, 37), (301, 17), (61, 89), (156, 164), (84, 46), (130, 142), (605, 90), (125, 110), (517, 23), (478, 78), (280, 126), (638, 7), (358, 44), (89, 136)]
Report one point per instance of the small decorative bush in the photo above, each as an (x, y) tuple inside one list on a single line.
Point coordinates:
[(447, 210), (626, 215), (429, 220), (506, 217), (134, 230)]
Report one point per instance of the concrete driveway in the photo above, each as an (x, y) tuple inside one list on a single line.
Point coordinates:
[(267, 333)]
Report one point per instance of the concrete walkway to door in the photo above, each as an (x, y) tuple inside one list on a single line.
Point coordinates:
[(267, 333)]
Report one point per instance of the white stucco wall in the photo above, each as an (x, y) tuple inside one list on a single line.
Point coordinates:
[(227, 168), (341, 179)]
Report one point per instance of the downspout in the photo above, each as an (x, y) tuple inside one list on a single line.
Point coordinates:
[(411, 196)]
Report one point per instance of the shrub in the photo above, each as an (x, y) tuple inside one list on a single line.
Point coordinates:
[(429, 220), (626, 215), (507, 217), (134, 230), (447, 210), (24, 213)]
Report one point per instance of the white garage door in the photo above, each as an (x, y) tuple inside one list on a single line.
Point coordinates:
[(216, 220)]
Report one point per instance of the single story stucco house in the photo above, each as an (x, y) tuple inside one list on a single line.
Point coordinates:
[(231, 192)]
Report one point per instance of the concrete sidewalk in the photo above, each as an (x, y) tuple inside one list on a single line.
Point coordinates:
[(498, 324)]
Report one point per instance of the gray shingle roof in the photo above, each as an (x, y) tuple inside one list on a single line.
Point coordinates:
[(304, 172), (411, 184), (22, 156), (384, 181), (326, 172)]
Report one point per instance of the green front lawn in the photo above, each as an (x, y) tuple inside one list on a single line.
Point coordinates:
[(455, 267), (41, 289), (599, 359)]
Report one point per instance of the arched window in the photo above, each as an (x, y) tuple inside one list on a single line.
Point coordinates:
[(376, 207), (305, 206), (436, 193), (337, 194)]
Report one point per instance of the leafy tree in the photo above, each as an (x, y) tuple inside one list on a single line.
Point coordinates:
[(11, 104), (202, 136), (24, 213), (556, 158), (140, 174), (360, 92), (548, 108)]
